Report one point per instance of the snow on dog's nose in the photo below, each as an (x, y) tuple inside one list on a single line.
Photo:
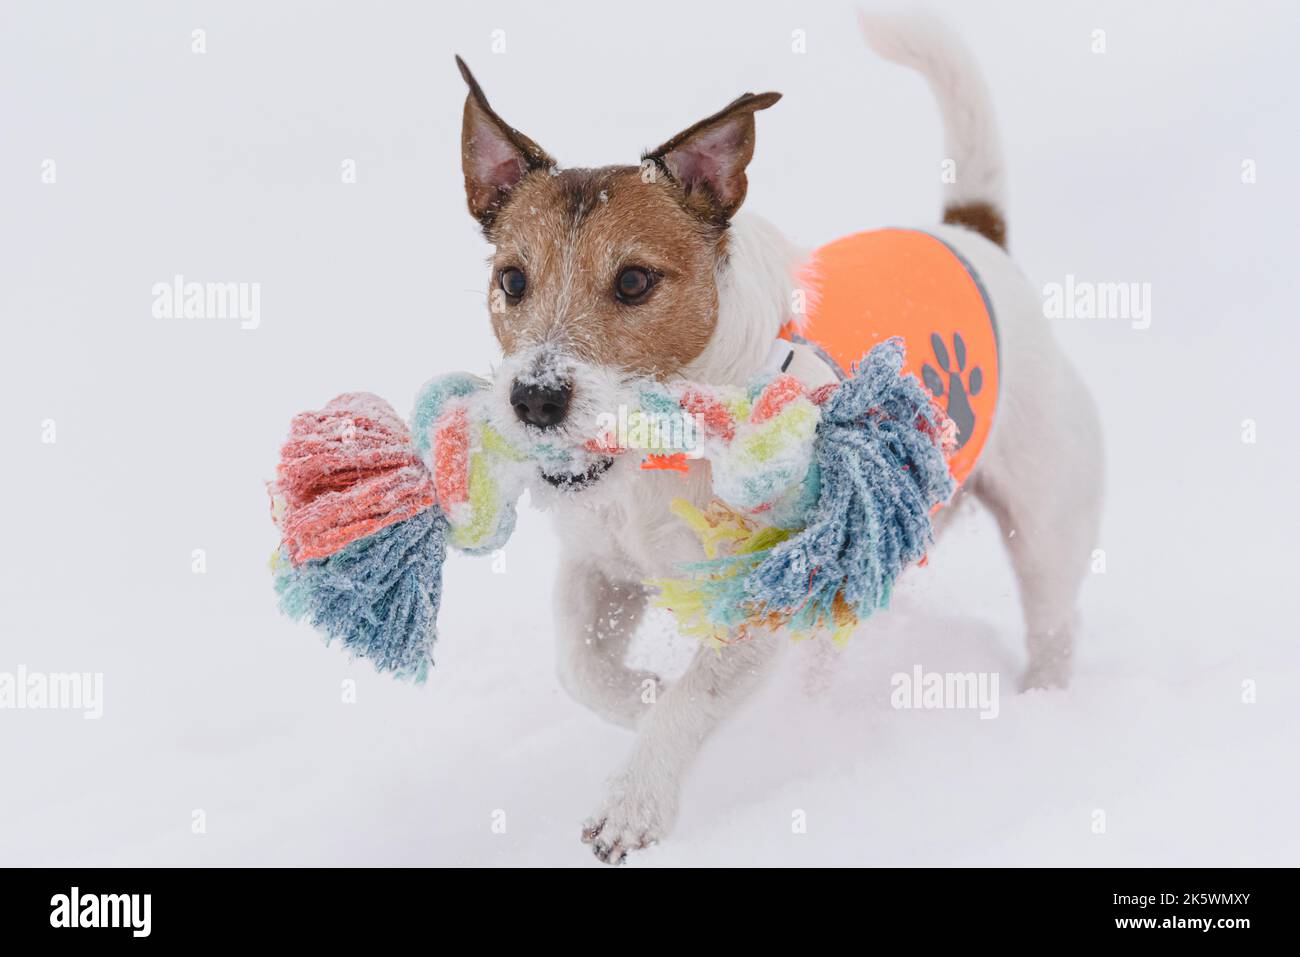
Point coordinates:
[(542, 405)]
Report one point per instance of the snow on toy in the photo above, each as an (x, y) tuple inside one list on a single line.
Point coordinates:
[(821, 499)]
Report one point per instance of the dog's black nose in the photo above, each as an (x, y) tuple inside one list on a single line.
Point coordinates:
[(541, 405)]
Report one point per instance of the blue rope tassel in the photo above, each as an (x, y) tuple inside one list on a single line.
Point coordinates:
[(880, 471), (379, 595)]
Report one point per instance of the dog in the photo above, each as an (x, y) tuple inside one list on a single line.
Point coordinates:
[(598, 275)]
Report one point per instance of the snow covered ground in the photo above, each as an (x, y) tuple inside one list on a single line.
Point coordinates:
[(1125, 166)]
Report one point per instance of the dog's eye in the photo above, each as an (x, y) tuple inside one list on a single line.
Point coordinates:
[(633, 283), (513, 282)]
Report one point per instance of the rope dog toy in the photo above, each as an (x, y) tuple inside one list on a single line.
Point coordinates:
[(821, 499), (859, 515)]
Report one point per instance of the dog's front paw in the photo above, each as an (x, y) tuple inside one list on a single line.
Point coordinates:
[(629, 819)]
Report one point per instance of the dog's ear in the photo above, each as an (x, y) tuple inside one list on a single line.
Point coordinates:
[(709, 158), (494, 155)]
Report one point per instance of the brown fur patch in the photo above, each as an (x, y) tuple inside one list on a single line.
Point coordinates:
[(985, 218), (572, 232)]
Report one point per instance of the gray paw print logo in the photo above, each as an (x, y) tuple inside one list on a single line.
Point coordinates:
[(958, 406)]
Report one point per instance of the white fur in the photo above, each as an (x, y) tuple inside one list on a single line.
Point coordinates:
[(1039, 475), (971, 139), (755, 288)]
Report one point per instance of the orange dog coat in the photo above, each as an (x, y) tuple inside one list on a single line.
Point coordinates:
[(869, 286)]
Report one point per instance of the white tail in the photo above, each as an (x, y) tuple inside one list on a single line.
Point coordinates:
[(970, 127)]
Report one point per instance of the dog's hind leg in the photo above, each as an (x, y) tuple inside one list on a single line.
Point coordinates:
[(1040, 472), (640, 804), (595, 619), (1041, 479)]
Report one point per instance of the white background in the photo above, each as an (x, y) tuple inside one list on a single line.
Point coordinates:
[(1124, 166)]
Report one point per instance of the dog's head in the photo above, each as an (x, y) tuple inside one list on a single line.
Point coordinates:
[(598, 275)]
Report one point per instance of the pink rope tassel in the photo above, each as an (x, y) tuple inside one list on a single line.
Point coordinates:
[(346, 472)]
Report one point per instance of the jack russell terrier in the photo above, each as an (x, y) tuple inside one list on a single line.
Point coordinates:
[(599, 275)]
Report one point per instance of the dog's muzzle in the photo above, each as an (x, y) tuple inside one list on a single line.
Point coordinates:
[(575, 481)]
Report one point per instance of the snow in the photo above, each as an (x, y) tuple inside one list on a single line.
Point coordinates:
[(1124, 167)]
